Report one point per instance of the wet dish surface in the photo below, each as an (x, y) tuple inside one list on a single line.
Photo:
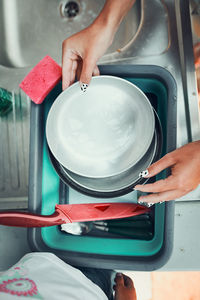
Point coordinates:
[(102, 132)]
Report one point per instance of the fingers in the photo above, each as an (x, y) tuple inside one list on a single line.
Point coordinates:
[(74, 65), (73, 71), (89, 66), (163, 196), (185, 175), (68, 67), (166, 161), (159, 186), (66, 73), (96, 71), (79, 69)]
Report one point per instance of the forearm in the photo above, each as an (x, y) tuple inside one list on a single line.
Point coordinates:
[(113, 13), (82, 50)]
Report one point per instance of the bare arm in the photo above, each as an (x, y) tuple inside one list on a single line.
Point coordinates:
[(113, 13), (81, 51)]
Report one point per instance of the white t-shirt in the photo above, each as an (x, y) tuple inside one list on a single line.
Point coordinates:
[(45, 276)]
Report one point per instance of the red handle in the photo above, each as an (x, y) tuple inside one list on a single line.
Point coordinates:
[(100, 211), (66, 213), (23, 219)]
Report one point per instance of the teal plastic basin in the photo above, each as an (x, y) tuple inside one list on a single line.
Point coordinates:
[(55, 239)]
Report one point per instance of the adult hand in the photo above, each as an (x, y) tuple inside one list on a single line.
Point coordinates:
[(124, 288), (185, 175), (81, 51)]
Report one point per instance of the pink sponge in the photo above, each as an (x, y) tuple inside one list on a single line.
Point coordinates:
[(41, 79)]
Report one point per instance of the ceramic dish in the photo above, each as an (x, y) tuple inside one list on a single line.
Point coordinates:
[(102, 132), (117, 185)]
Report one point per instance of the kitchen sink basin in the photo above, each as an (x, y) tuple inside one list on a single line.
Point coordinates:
[(31, 29)]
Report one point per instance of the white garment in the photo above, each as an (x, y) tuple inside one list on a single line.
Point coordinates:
[(45, 276)]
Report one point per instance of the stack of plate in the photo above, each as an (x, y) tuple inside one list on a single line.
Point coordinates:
[(101, 140)]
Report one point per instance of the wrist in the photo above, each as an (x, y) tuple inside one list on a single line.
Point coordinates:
[(105, 23), (113, 13), (104, 29)]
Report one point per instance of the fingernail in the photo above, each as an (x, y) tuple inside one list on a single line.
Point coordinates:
[(119, 274), (143, 202), (140, 202), (143, 173), (150, 204), (83, 86)]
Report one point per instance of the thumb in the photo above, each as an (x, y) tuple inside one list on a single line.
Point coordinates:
[(87, 70)]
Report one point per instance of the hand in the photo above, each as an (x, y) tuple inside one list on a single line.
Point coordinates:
[(185, 175), (124, 288), (81, 51)]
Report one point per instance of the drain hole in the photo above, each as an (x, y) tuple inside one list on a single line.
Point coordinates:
[(70, 9)]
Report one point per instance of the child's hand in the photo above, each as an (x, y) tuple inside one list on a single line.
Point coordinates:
[(124, 288)]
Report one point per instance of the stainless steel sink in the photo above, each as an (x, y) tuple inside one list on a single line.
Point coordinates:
[(31, 29), (28, 31), (14, 149), (154, 32)]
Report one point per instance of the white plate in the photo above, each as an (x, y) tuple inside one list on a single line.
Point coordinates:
[(101, 132)]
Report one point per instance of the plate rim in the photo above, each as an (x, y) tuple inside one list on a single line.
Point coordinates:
[(60, 98)]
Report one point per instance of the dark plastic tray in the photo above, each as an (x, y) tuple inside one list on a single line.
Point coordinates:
[(45, 189)]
